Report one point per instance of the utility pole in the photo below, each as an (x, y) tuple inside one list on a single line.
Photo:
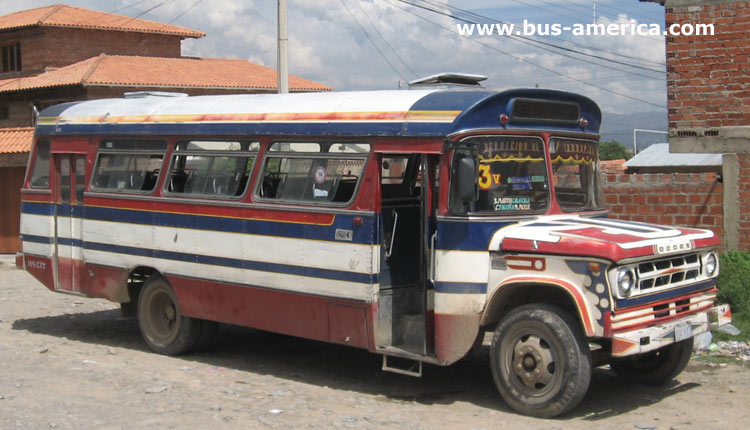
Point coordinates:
[(594, 11), (281, 53)]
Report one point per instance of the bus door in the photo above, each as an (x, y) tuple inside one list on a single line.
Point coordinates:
[(408, 185), (70, 173)]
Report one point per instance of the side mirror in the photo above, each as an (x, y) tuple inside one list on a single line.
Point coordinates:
[(466, 175)]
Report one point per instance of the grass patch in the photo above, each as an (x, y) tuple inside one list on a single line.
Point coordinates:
[(741, 320)]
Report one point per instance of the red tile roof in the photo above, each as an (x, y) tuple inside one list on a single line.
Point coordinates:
[(16, 140), (61, 15), (133, 71)]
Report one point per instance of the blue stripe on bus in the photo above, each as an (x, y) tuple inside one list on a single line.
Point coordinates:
[(461, 287), (467, 235), (424, 129), (666, 294), (37, 239), (288, 269), (361, 235)]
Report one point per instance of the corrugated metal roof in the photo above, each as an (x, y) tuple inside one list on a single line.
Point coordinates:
[(658, 155), (61, 15), (16, 140)]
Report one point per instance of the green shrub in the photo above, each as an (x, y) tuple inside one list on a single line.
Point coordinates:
[(734, 280)]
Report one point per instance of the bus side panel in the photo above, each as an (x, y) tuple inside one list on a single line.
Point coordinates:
[(106, 282), (312, 317), (37, 236)]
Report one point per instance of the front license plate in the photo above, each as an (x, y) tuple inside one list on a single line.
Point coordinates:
[(682, 331)]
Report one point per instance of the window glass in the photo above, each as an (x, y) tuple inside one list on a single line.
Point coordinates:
[(327, 178), (511, 176), (294, 147), (127, 172), (64, 180), (211, 168), (40, 174), (133, 145), (575, 174)]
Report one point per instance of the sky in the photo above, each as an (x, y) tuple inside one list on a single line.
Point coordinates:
[(382, 44)]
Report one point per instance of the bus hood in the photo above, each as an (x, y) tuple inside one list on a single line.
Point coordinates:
[(598, 237)]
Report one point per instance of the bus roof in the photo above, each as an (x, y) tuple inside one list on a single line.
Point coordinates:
[(417, 113)]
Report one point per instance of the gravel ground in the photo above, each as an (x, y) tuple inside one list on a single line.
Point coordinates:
[(73, 363)]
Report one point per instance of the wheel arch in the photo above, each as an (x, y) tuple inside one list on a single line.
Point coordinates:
[(510, 295)]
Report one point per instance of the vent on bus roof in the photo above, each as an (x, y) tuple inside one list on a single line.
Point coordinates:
[(545, 110), (449, 79)]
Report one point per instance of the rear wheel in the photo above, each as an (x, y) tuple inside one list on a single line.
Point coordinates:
[(540, 361), (656, 367), (162, 325)]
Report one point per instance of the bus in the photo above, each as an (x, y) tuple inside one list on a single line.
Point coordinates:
[(415, 224)]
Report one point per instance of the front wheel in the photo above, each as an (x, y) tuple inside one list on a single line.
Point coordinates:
[(162, 325), (656, 367), (540, 361)]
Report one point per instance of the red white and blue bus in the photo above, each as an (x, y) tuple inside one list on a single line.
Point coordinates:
[(408, 223)]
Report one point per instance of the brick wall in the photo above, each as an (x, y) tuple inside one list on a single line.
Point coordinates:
[(44, 47), (682, 199), (708, 77)]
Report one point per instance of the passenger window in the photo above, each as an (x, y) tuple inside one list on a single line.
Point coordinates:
[(40, 174), (325, 172), (128, 165), (211, 168)]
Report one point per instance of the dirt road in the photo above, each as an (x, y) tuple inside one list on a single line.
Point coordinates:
[(73, 363)]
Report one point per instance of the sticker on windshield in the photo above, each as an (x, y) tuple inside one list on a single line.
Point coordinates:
[(512, 204)]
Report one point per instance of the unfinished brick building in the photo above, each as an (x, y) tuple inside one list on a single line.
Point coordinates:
[(708, 91)]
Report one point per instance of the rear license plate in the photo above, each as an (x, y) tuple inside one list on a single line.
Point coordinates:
[(682, 331)]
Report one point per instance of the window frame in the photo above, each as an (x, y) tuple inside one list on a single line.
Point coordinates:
[(269, 154), (463, 144), (599, 192), (210, 153), (101, 150), (35, 161)]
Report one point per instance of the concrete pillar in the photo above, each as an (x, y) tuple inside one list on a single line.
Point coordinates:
[(730, 174)]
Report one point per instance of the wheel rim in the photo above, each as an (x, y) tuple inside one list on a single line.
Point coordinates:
[(534, 363), (163, 316)]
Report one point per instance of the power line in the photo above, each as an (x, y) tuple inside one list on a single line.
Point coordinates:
[(533, 42), (482, 17), (385, 40), (184, 12), (372, 42), (522, 60)]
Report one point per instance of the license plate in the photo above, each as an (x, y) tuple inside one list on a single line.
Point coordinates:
[(682, 331)]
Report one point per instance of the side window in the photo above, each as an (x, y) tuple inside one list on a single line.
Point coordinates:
[(128, 165), (40, 174), (322, 173), (217, 169)]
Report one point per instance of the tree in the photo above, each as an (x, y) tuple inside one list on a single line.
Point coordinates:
[(613, 150)]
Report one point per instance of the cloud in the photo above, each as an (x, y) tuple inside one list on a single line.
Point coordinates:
[(326, 44)]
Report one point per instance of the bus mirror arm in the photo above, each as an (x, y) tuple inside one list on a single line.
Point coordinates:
[(467, 179), (389, 251)]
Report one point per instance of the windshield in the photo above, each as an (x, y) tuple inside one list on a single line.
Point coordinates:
[(575, 174), (512, 175)]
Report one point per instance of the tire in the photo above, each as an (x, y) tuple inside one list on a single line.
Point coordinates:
[(656, 367), (162, 325), (540, 361)]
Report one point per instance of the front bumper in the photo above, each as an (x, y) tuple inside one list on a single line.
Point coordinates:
[(641, 340)]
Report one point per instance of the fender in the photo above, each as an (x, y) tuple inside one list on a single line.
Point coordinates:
[(570, 289)]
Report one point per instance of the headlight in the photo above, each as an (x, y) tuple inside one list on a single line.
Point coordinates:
[(625, 282), (712, 263)]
